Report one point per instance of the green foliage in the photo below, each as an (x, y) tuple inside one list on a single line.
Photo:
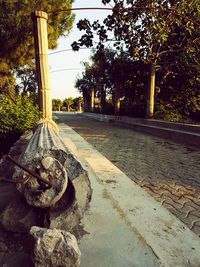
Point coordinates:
[(165, 33), (168, 113), (76, 102), (68, 102), (56, 104), (110, 74), (16, 31), (26, 79), (145, 28), (19, 116)]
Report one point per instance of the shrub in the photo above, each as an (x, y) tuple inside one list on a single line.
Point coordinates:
[(132, 108), (167, 113), (16, 118)]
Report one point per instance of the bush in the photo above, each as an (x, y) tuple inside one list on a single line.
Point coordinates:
[(132, 108), (16, 118), (167, 113)]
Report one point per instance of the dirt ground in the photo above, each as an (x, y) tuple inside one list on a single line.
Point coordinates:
[(168, 171)]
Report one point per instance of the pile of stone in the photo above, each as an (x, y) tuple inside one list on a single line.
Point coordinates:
[(48, 213)]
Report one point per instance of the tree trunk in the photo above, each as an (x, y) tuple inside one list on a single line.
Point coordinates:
[(92, 100), (102, 100), (150, 92), (86, 101), (79, 106), (117, 102)]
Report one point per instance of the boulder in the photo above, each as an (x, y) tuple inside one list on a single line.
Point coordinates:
[(36, 193), (54, 248), (69, 210)]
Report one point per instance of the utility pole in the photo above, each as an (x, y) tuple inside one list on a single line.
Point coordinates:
[(42, 64)]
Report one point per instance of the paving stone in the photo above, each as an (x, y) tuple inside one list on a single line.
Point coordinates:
[(166, 170)]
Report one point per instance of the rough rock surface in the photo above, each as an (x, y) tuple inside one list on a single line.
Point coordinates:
[(36, 192), (54, 248), (64, 219), (47, 156), (67, 213)]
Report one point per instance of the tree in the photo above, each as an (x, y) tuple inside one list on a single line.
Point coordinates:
[(120, 76), (77, 103), (16, 37), (68, 102), (86, 84), (139, 26), (151, 31), (56, 104), (27, 82)]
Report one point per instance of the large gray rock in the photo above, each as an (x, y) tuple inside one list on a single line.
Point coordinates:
[(67, 213), (54, 248), (64, 219), (35, 191)]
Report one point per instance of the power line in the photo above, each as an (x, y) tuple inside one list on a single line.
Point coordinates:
[(79, 9), (160, 8), (66, 50), (74, 69), (81, 48)]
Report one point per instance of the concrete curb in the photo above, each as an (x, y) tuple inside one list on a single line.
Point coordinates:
[(178, 132), (170, 241)]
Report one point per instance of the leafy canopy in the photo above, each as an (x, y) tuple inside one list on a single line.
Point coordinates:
[(145, 28), (16, 30)]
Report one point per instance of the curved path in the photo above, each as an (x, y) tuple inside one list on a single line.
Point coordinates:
[(168, 171)]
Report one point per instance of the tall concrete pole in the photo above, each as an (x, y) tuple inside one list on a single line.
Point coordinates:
[(151, 92), (42, 63)]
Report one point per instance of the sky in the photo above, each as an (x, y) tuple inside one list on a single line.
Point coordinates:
[(62, 82)]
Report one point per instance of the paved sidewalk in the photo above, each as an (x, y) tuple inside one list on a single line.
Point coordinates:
[(168, 171), (125, 226)]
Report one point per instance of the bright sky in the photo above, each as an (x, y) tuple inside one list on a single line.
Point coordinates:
[(63, 81)]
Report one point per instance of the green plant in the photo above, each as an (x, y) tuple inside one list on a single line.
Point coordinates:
[(15, 118), (165, 112)]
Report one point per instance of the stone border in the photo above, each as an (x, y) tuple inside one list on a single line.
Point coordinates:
[(178, 132)]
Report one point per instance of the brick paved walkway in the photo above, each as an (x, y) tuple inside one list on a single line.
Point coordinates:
[(169, 172)]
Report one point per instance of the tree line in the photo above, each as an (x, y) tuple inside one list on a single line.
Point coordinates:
[(154, 43), (68, 104)]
